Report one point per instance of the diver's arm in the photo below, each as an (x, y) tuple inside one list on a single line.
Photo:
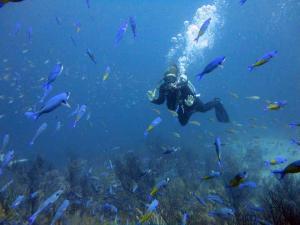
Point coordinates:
[(160, 99)]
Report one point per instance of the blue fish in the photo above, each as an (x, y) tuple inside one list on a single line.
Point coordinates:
[(5, 142), (60, 211), (242, 2), (58, 20), (29, 33), (110, 207), (40, 130), (224, 213), (88, 3), (91, 56), (49, 201), (153, 124), (79, 115), (3, 2), (217, 62), (184, 219), (133, 26), (200, 200), (296, 142), (294, 167), (263, 60), (4, 188), (218, 149), (215, 199), (46, 93), (122, 30), (249, 184), (293, 125), (50, 105), (203, 29), (8, 157), (153, 205), (57, 70), (18, 201)]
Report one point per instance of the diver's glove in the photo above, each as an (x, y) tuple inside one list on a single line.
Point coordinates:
[(189, 101), (151, 95)]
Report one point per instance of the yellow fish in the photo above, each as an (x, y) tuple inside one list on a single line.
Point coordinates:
[(194, 122), (176, 134), (238, 179), (235, 95), (157, 111), (175, 114), (154, 191), (106, 74), (253, 97), (146, 217)]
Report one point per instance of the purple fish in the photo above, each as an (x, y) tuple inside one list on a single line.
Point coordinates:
[(122, 30)]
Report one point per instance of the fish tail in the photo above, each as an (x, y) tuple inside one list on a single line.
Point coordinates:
[(32, 115), (199, 76), (267, 163), (196, 39), (281, 173), (250, 68), (293, 141), (47, 86), (31, 143)]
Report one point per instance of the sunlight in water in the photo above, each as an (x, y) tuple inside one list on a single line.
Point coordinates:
[(185, 49)]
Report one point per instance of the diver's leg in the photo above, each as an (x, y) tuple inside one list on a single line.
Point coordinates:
[(172, 102), (183, 115), (216, 104)]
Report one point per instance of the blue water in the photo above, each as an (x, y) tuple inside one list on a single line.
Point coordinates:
[(118, 107)]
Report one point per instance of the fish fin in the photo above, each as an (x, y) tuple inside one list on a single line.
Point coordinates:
[(199, 76), (66, 104), (280, 173), (267, 163), (250, 68), (32, 115)]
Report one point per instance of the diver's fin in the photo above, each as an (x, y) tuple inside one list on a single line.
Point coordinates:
[(221, 113)]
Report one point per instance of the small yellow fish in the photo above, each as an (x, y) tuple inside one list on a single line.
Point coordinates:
[(146, 217), (176, 134), (106, 74), (238, 179), (235, 95), (154, 191), (253, 98), (194, 122), (175, 114), (25, 51), (157, 111)]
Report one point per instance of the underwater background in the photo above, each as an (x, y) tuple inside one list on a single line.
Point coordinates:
[(106, 161)]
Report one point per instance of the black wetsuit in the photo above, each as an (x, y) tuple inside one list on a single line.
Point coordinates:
[(175, 101)]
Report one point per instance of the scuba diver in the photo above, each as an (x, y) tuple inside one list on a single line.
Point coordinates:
[(2, 2), (181, 97)]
